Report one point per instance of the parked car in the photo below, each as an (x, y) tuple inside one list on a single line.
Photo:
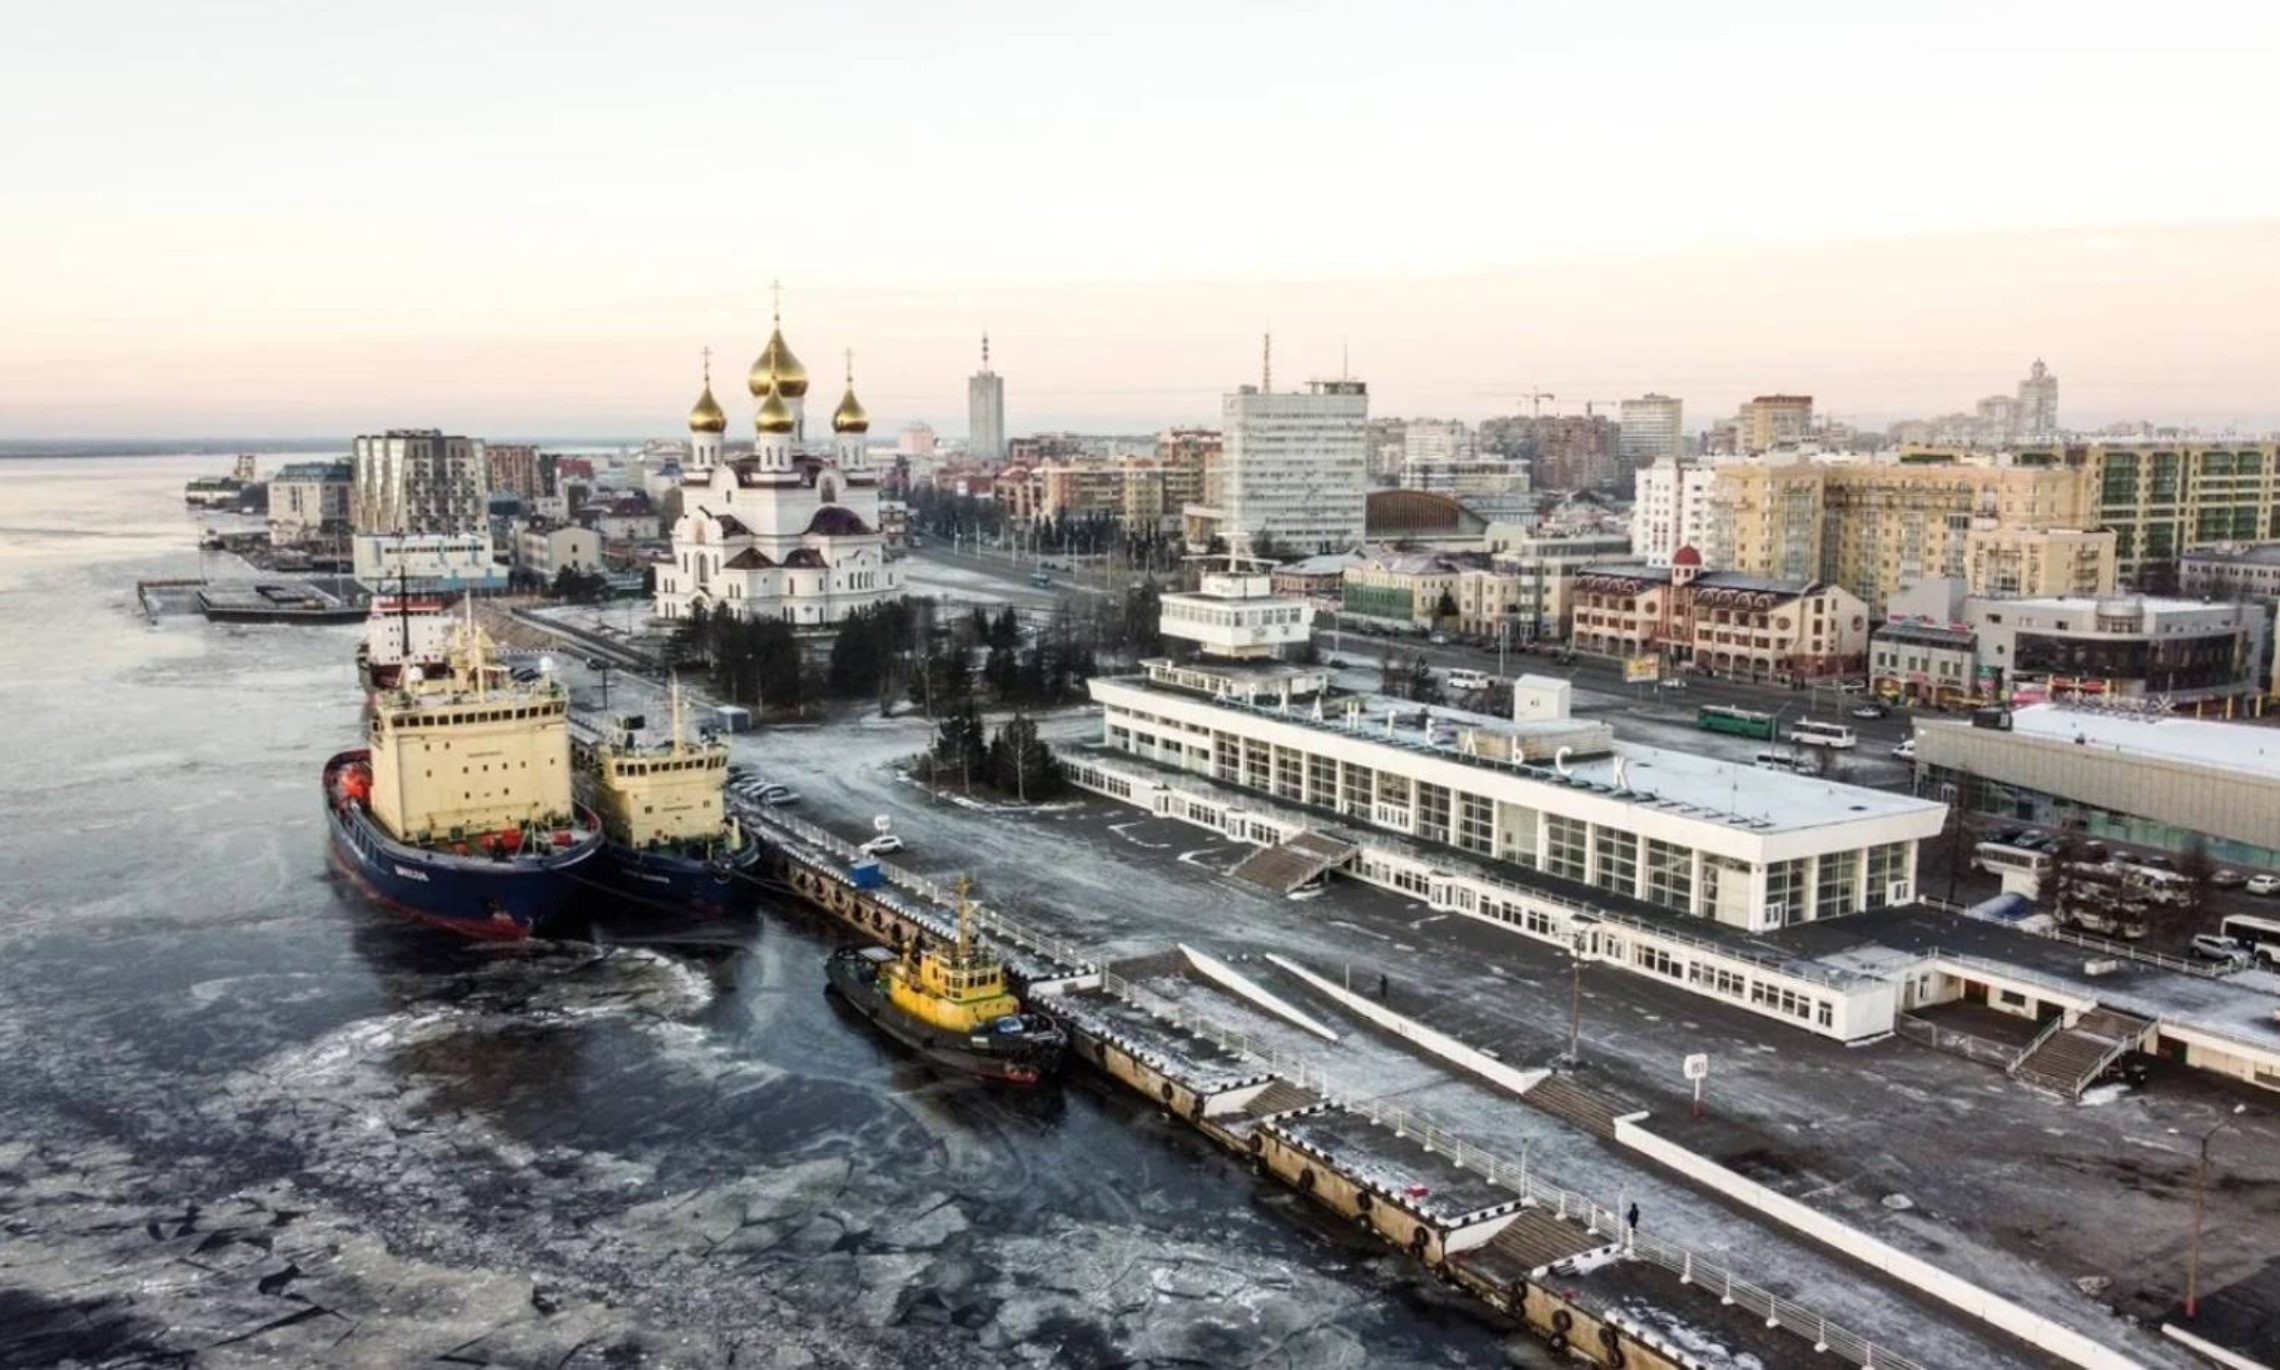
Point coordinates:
[(2210, 947), (2227, 879), (597, 663), (2263, 884), (2157, 861), (882, 844), (1905, 750), (1867, 711), (777, 795)]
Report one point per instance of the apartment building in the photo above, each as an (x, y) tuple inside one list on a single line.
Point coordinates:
[(415, 480), (1294, 466), (1670, 509), (1877, 528)]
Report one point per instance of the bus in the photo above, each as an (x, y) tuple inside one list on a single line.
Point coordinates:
[(2004, 860), (1721, 718), (1807, 732), (2259, 934)]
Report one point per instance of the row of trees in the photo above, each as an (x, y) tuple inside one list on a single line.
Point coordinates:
[(1014, 760)]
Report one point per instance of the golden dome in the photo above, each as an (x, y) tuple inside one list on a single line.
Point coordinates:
[(849, 416), (775, 416), (777, 366), (707, 416)]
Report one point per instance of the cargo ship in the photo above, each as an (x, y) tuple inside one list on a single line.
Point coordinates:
[(668, 837), (459, 813), (403, 630), (951, 1005)]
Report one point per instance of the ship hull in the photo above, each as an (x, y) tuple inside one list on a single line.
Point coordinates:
[(1025, 1060), (492, 900), (717, 885)]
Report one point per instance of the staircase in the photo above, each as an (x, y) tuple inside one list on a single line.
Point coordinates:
[(1535, 1239), (2065, 1062), (1587, 1108), (1286, 867)]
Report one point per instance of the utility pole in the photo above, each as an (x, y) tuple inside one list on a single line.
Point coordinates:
[(1575, 1000), (2193, 1253)]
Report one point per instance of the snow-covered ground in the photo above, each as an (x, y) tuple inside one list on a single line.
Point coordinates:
[(1129, 885)]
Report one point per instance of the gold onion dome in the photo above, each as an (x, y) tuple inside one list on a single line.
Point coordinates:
[(707, 417), (849, 416), (777, 366), (775, 415)]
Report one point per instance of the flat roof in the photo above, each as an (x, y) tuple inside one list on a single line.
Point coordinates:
[(1685, 783), (2236, 747)]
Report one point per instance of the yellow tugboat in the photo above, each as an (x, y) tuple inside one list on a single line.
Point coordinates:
[(951, 1004)]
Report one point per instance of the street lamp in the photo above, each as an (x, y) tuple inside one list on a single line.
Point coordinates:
[(1576, 944), (2193, 1253)]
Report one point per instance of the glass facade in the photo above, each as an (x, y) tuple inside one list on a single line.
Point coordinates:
[(1785, 892), (1432, 812), (1977, 794), (1887, 866), (1670, 875), (1838, 874), (1618, 865), (1566, 849)]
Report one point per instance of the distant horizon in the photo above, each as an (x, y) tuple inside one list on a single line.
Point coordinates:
[(479, 219)]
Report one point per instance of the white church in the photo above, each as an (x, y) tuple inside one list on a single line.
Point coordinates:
[(788, 532)]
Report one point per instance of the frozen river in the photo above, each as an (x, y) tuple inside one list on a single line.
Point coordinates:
[(245, 1119)]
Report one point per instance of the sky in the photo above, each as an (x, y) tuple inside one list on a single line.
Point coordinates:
[(523, 219)]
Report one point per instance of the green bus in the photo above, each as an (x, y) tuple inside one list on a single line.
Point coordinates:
[(1721, 718)]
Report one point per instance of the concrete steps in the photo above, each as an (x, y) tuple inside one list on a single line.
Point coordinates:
[(1286, 867), (2066, 1062), (1535, 1239), (1588, 1108)]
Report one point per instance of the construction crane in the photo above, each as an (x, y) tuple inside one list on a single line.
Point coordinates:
[(1535, 399)]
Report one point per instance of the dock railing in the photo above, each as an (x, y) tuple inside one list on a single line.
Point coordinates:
[(998, 925), (1531, 1187)]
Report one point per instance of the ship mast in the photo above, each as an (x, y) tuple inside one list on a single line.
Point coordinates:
[(676, 693), (965, 923)]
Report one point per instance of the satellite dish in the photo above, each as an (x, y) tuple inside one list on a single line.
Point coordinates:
[(413, 675), (546, 665), (881, 823)]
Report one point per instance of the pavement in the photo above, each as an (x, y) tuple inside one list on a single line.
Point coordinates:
[(2048, 1194)]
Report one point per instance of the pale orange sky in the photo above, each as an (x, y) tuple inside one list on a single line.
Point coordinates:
[(478, 218)]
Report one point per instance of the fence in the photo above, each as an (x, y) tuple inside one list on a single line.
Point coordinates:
[(1000, 926), (1927, 1033), (1532, 1188)]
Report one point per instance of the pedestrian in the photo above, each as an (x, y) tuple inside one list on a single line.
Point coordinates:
[(1381, 984), (1631, 1220)]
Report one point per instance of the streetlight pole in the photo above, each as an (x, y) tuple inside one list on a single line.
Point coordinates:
[(1575, 1000), (2193, 1253)]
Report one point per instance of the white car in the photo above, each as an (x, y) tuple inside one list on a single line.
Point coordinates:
[(882, 844), (2226, 949), (1905, 750), (2263, 884)]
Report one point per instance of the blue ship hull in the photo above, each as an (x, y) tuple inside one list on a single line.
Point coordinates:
[(672, 880), (500, 900)]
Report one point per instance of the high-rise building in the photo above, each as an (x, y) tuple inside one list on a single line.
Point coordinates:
[(1671, 509), (1565, 451), (1878, 528), (1650, 429), (417, 480), (1770, 420), (985, 411), (2038, 403), (519, 469), (1295, 466), (310, 502)]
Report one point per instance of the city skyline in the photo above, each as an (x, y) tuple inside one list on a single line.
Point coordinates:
[(461, 218)]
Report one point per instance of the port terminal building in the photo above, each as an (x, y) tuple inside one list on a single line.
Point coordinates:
[(1731, 882), (2116, 770)]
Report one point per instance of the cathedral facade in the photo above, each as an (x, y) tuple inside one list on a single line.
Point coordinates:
[(790, 532)]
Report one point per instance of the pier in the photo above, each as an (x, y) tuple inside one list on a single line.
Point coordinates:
[(1560, 1265)]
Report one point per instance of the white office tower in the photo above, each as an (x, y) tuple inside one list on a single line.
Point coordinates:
[(985, 411), (1650, 429), (2038, 403), (1296, 466), (1671, 509)]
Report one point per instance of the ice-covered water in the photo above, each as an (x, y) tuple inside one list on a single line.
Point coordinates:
[(245, 1119)]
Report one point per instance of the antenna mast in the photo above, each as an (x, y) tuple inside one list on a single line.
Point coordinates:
[(1266, 363)]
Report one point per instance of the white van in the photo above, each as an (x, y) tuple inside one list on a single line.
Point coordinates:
[(1467, 681)]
